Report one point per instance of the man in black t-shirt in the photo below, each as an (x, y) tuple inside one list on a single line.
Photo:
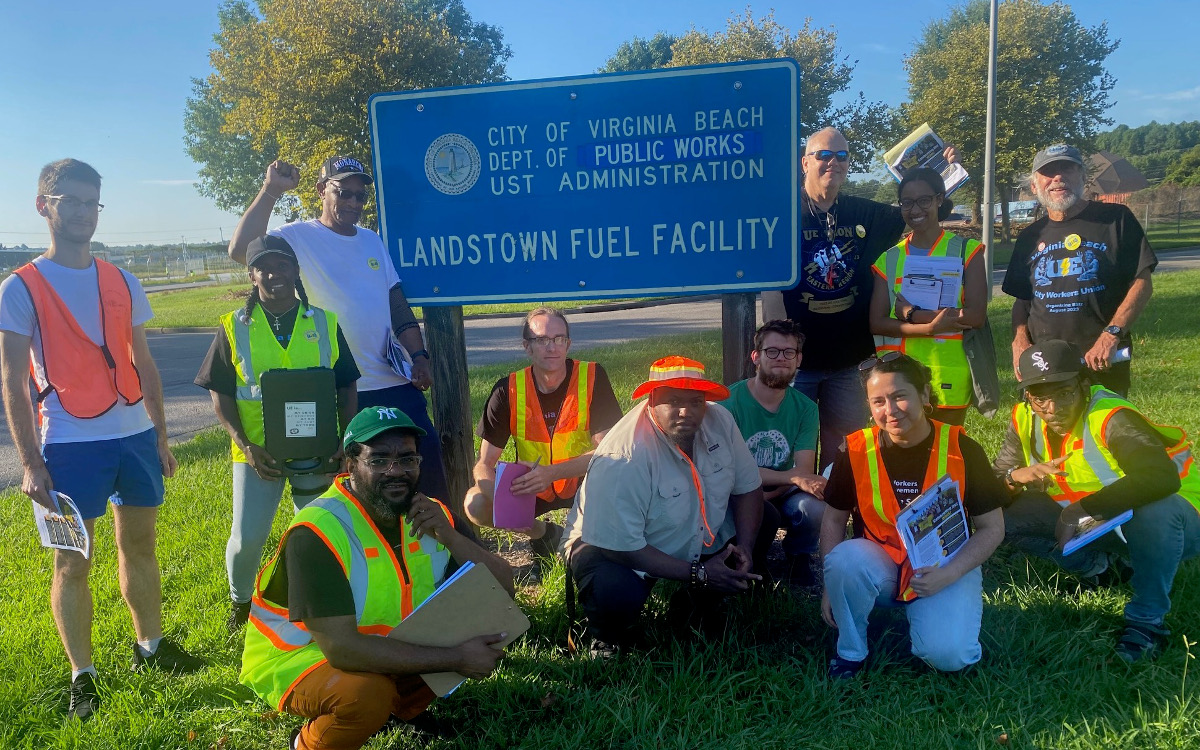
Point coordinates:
[(1081, 273), (556, 411), (841, 236)]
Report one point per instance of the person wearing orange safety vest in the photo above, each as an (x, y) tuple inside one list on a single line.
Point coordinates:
[(1074, 451), (878, 473), (97, 433), (556, 411), (353, 564), (931, 333)]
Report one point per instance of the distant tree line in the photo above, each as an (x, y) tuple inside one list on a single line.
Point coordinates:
[(1156, 148)]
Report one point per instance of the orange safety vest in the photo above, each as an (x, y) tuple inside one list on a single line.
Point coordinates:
[(877, 502), (87, 378), (572, 434)]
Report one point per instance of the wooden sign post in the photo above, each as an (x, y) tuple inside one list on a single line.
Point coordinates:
[(451, 398)]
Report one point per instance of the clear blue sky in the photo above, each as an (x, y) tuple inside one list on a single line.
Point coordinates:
[(107, 82)]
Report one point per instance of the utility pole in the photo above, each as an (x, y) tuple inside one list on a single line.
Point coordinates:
[(989, 152)]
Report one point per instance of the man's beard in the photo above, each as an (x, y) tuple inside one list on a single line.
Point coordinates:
[(1058, 205), (389, 511), (776, 381)]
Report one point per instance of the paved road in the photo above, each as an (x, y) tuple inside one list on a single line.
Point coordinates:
[(488, 341)]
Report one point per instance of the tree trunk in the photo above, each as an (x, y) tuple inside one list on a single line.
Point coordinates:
[(737, 336), (451, 397)]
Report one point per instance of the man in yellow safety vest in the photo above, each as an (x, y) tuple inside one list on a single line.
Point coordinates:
[(1076, 451), (353, 564)]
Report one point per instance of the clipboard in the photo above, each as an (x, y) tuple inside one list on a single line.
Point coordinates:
[(470, 603)]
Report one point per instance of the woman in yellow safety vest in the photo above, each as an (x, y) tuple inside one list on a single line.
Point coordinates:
[(883, 471), (925, 327), (277, 329)]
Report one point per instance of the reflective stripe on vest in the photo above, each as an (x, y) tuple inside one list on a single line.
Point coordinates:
[(877, 504), (89, 379), (572, 435), (1091, 465), (943, 353), (386, 588), (254, 350)]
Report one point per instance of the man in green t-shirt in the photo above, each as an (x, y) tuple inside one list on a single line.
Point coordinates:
[(781, 427)]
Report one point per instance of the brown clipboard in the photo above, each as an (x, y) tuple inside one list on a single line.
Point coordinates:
[(473, 604)]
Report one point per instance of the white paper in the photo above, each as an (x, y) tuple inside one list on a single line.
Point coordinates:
[(949, 271), (934, 526), (300, 419), (63, 529), (1090, 529), (923, 291), (923, 148)]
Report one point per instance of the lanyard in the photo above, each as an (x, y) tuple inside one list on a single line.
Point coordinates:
[(695, 480)]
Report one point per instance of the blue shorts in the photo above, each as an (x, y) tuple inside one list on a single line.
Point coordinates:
[(124, 470)]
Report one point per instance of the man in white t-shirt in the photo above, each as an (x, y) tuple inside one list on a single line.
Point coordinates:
[(79, 322), (346, 268)]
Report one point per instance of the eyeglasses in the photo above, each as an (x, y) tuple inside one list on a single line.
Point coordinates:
[(825, 155), (346, 195), (406, 463), (545, 341), (1063, 395), (869, 363), (925, 201), (775, 353), (71, 203)]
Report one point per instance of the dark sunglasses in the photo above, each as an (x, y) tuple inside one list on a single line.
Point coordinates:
[(345, 194), (869, 363), (825, 155)]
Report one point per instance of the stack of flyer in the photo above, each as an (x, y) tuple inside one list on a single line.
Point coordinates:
[(62, 528)]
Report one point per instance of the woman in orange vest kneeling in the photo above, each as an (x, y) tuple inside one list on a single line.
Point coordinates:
[(879, 472)]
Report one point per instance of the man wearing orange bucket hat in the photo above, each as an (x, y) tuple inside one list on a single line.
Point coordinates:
[(671, 492)]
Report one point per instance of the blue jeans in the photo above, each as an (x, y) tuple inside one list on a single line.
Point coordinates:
[(255, 501), (800, 515), (944, 628), (409, 399), (841, 403), (1160, 536)]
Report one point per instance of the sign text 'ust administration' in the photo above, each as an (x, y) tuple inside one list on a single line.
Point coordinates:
[(677, 181)]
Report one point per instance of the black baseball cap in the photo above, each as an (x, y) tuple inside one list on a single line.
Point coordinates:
[(1052, 361), (266, 245), (338, 167), (1058, 152)]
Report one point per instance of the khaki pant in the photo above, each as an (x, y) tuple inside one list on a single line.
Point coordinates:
[(346, 708)]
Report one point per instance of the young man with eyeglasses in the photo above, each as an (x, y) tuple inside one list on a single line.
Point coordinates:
[(346, 269), (841, 236), (351, 566), (1081, 273), (1075, 450), (556, 411), (100, 433), (780, 425)]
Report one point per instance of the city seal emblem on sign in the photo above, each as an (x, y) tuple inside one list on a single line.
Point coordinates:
[(452, 164)]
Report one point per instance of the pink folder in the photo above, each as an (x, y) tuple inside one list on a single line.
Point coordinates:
[(511, 511)]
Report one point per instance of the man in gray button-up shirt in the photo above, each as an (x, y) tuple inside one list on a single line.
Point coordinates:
[(672, 492)]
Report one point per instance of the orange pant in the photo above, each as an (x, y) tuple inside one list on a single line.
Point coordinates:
[(346, 708)]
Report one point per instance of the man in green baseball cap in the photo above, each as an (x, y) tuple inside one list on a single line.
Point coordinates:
[(353, 564)]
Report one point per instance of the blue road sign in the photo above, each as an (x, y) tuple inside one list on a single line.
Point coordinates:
[(677, 181)]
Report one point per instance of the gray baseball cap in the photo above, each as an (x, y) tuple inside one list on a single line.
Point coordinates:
[(1057, 152)]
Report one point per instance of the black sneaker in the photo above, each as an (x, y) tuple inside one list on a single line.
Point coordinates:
[(292, 738), (239, 614), (1141, 641), (844, 669), (84, 699), (546, 546), (168, 657), (603, 651)]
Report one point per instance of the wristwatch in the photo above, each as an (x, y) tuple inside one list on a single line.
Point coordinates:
[(699, 576), (420, 353), (1008, 479), (908, 316), (1114, 330)]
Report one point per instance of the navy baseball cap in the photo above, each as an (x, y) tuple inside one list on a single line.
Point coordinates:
[(338, 167), (269, 244)]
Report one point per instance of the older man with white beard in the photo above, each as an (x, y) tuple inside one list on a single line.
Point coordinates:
[(1081, 273)]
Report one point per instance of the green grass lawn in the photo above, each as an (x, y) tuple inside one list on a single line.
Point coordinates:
[(203, 306), (1169, 235), (1049, 678)]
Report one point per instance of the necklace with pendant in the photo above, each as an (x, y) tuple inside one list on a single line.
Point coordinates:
[(279, 317)]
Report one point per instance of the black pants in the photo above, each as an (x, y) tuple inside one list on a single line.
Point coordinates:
[(612, 595)]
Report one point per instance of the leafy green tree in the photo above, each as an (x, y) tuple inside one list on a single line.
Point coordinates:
[(291, 80), (1186, 171), (642, 54), (1052, 86), (825, 73), (1153, 148)]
